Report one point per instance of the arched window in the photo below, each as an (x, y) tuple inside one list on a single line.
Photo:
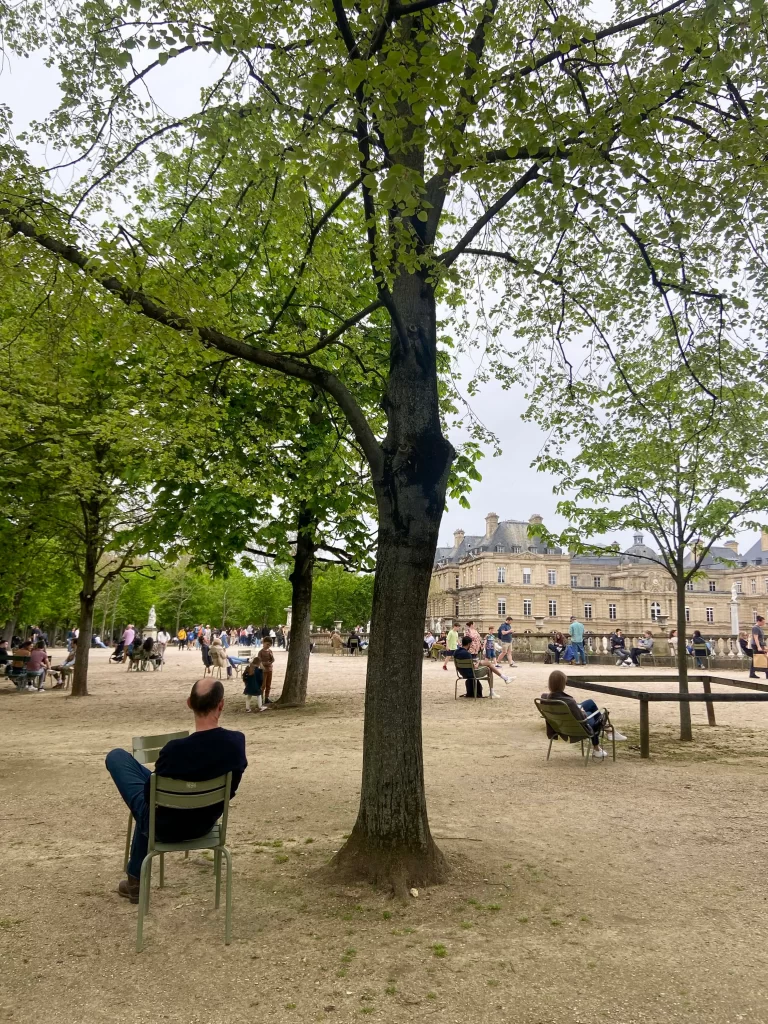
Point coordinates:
[(655, 611)]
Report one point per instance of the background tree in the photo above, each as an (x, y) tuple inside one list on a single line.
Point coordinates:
[(613, 170), (651, 451)]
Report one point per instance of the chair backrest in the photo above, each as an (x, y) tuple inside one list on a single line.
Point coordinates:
[(182, 795), (560, 717), (463, 663), (147, 748)]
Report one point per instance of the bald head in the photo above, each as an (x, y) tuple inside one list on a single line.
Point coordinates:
[(206, 696)]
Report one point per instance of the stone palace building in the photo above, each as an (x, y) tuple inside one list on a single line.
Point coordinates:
[(505, 572)]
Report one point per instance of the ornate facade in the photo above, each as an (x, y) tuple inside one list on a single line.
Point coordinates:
[(505, 572)]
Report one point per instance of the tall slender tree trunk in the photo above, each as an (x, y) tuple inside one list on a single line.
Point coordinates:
[(85, 622), (10, 624), (294, 691), (391, 841), (686, 730)]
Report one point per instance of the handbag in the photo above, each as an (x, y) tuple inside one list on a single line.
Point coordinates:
[(759, 660)]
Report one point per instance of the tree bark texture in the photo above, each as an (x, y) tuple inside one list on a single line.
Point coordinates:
[(10, 624), (294, 691), (686, 730), (85, 622), (391, 842)]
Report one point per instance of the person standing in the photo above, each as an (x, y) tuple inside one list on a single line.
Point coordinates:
[(336, 643), (129, 634), (757, 644), (576, 635), (451, 645), (163, 639), (505, 638), (266, 660), (475, 638)]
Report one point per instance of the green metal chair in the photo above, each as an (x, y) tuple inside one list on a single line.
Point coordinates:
[(479, 673), (560, 717), (145, 750), (180, 794)]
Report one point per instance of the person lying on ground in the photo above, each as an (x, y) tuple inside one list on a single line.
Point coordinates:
[(206, 753), (583, 711)]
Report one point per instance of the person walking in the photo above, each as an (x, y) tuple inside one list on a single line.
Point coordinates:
[(451, 645), (505, 638), (576, 635), (129, 635)]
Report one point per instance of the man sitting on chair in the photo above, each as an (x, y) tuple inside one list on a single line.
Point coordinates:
[(465, 664), (206, 753)]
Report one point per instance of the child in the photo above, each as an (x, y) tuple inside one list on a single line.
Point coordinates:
[(266, 659), (253, 678), (490, 648)]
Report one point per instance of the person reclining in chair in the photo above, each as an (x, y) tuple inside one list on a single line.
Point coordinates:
[(466, 664), (582, 711), (206, 753), (644, 646)]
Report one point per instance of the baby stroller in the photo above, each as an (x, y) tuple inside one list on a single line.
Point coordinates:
[(117, 654)]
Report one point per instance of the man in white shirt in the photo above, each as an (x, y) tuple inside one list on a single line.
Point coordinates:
[(163, 637)]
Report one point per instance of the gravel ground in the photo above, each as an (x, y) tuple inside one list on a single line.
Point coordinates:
[(626, 892)]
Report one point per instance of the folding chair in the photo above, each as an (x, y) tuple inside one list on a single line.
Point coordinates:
[(560, 717), (145, 750), (182, 795)]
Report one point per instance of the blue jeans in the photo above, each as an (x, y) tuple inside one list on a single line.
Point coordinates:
[(596, 723), (580, 653), (130, 777)]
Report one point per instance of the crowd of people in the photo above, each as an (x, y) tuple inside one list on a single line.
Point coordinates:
[(476, 658)]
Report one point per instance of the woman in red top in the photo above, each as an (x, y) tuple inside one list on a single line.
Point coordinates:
[(36, 667)]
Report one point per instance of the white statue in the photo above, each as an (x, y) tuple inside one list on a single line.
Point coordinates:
[(152, 619), (734, 594)]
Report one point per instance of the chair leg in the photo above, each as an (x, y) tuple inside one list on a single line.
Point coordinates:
[(162, 870), (128, 841), (217, 873), (228, 910), (549, 748), (144, 883)]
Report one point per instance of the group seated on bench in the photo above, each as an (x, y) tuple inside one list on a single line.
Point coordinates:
[(627, 659)]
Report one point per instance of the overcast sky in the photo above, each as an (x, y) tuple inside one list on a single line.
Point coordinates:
[(509, 486)]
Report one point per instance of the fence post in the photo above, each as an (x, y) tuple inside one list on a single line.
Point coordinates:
[(645, 736), (710, 705)]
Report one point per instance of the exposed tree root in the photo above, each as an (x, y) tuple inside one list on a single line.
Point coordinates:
[(398, 868)]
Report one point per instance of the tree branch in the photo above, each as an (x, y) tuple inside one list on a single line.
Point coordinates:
[(154, 310)]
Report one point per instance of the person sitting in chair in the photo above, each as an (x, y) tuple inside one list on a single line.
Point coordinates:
[(583, 711), (644, 646), (557, 647), (618, 648), (206, 753), (469, 670)]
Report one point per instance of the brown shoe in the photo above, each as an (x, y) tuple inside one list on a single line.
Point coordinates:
[(129, 888)]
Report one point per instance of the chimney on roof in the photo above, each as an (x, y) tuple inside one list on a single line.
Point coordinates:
[(458, 537), (536, 519), (732, 546), (764, 540), (491, 523)]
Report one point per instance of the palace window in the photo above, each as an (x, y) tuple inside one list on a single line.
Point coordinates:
[(611, 611), (553, 608), (501, 574), (587, 611), (456, 609), (655, 611), (527, 608), (457, 581), (596, 581), (687, 614), (499, 547), (710, 614), (712, 586), (689, 585), (526, 575), (515, 549), (766, 584), (501, 606), (574, 580), (753, 586), (551, 577), (737, 584)]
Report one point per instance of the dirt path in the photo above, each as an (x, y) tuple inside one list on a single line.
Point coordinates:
[(620, 893)]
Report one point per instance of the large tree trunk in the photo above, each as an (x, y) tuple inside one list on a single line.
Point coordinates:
[(391, 842), (85, 624), (294, 691), (686, 730), (10, 624)]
